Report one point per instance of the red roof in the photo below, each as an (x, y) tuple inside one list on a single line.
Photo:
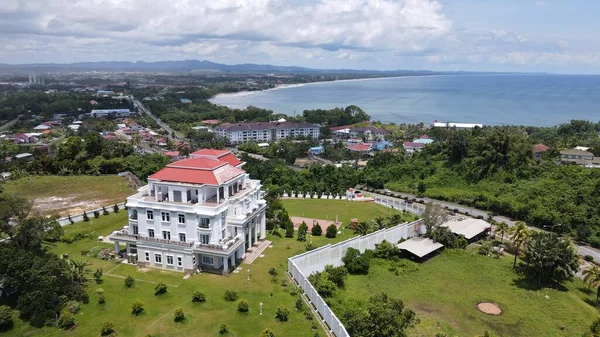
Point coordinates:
[(230, 159), (197, 163), (413, 144), (171, 153), (336, 128), (211, 153), (198, 171), (359, 147), (185, 176), (538, 148), (425, 136), (211, 121)]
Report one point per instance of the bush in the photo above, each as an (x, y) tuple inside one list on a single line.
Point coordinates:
[(137, 307), (243, 306), (104, 211), (66, 320), (6, 318), (101, 299), (72, 307), (85, 217), (273, 272), (70, 220), (316, 230), (289, 230), (116, 208), (179, 315), (588, 258), (267, 333), (223, 329), (107, 328), (331, 231), (198, 296), (299, 304), (231, 296), (302, 231), (160, 288), (282, 313), (129, 281), (98, 276), (355, 262), (309, 246), (99, 291), (96, 214)]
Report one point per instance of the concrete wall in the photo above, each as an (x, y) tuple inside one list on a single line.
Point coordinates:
[(301, 266), (90, 213)]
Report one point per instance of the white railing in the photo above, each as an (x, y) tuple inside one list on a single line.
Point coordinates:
[(400, 204), (301, 266)]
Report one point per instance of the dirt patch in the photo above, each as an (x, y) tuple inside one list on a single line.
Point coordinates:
[(489, 308), (297, 220), (143, 269), (64, 206)]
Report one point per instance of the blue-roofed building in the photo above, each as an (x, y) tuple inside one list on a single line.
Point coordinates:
[(381, 145), (185, 101), (316, 150), (424, 139)]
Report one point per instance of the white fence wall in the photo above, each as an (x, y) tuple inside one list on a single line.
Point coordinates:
[(301, 266), (400, 204), (90, 213)]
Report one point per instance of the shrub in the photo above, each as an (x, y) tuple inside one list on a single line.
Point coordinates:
[(302, 231), (104, 211), (243, 306), (6, 318), (588, 258), (355, 262), (72, 307), (223, 329), (107, 328), (96, 214), (299, 304), (267, 333), (101, 299), (71, 220), (198, 296), (179, 315), (282, 313), (309, 246), (98, 276), (116, 208), (273, 272), (137, 307), (99, 291), (160, 288), (231, 296), (316, 230), (129, 281), (331, 231), (66, 320), (85, 217), (289, 230)]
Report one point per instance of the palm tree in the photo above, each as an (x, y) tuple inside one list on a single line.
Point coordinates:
[(394, 219), (518, 235), (379, 223), (502, 229), (591, 276), (362, 228), (78, 271)]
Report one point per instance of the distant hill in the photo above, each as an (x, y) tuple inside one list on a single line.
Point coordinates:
[(194, 66)]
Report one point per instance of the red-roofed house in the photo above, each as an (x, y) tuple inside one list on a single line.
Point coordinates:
[(539, 149), (111, 137), (200, 213), (211, 122), (363, 148), (412, 147)]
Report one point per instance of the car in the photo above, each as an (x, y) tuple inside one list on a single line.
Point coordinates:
[(387, 191)]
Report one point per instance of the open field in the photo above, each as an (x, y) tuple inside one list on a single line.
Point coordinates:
[(64, 195), (445, 290), (202, 319), (344, 209)]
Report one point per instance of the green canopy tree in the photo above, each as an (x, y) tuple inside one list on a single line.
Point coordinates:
[(549, 258), (518, 235)]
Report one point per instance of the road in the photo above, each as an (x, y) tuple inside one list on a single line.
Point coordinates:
[(162, 124), (581, 249)]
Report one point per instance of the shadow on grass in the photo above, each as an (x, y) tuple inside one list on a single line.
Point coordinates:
[(590, 302), (585, 290), (530, 284)]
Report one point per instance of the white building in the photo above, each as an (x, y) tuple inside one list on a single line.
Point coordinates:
[(203, 213), (459, 126), (36, 80), (266, 132), (110, 112)]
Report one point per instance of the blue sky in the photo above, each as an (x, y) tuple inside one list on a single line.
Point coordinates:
[(556, 36)]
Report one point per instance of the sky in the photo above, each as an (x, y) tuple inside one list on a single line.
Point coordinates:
[(557, 36)]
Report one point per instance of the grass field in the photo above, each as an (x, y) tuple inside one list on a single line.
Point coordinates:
[(202, 319), (64, 195), (344, 209), (444, 291)]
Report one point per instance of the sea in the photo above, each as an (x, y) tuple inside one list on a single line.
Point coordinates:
[(490, 99)]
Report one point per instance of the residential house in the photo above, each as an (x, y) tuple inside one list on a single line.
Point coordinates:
[(42, 127), (363, 148), (369, 132), (196, 213), (423, 139), (382, 145), (266, 132), (185, 101), (316, 150), (574, 156), (110, 112), (539, 150), (412, 147)]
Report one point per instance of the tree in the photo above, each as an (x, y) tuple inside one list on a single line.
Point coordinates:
[(433, 216), (336, 275), (198, 296), (267, 333), (116, 208), (78, 271), (549, 258), (243, 305), (289, 230), (223, 329), (379, 223), (107, 328), (6, 318), (282, 313), (518, 235), (591, 276), (385, 250), (129, 281), (355, 262), (302, 231), (331, 231), (362, 228), (394, 219), (86, 218), (502, 229), (137, 308), (179, 315), (98, 276), (66, 320), (384, 316), (160, 288), (316, 230), (104, 211)]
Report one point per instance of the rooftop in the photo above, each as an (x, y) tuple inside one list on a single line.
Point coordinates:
[(539, 148), (467, 227), (575, 152), (359, 147), (420, 246), (265, 126)]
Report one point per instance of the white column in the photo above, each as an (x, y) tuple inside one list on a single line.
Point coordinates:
[(117, 247), (256, 231), (263, 225), (225, 265)]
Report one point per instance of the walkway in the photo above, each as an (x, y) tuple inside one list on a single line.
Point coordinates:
[(257, 251)]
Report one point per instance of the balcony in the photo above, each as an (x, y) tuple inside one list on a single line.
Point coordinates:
[(225, 245), (125, 234)]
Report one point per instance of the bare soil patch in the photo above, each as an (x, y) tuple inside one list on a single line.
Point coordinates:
[(489, 308), (297, 220)]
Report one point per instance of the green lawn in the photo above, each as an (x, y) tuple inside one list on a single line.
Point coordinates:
[(344, 209), (65, 195), (202, 319), (444, 291)]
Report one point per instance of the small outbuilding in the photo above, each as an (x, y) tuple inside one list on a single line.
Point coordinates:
[(470, 228), (420, 246)]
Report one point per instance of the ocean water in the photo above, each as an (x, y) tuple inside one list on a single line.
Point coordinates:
[(503, 99)]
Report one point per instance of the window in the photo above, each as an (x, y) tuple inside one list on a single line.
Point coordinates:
[(166, 235), (204, 222), (179, 261), (157, 258), (147, 256), (204, 238), (151, 233), (181, 218), (170, 260), (165, 216), (223, 233), (207, 259), (182, 237), (150, 215), (135, 230)]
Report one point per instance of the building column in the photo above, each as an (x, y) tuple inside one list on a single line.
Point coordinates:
[(232, 257), (263, 225), (225, 266), (255, 232), (117, 248)]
